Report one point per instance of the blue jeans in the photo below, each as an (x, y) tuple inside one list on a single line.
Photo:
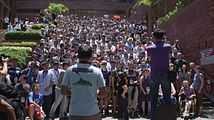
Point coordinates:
[(156, 80)]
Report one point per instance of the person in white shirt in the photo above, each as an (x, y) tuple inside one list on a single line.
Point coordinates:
[(45, 80), (59, 97)]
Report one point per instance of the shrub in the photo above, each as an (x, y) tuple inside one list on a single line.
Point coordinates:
[(57, 8), (19, 44), (38, 26), (22, 36), (19, 53)]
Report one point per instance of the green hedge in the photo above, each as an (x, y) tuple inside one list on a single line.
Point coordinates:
[(22, 36), (19, 53), (19, 44), (37, 26)]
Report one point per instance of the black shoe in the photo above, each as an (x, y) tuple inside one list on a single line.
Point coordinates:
[(115, 115)]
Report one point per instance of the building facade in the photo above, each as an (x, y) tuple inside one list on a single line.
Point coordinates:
[(7, 8), (26, 8)]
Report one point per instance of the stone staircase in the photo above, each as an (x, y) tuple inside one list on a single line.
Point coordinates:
[(207, 108)]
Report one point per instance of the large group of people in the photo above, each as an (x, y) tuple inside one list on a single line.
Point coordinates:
[(121, 51)]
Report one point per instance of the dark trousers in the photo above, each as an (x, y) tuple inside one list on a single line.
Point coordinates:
[(198, 102), (48, 100), (123, 108), (157, 79)]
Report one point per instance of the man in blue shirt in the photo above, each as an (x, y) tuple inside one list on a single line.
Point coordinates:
[(84, 81), (159, 54)]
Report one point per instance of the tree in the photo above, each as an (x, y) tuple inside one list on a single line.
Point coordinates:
[(57, 8), (145, 2)]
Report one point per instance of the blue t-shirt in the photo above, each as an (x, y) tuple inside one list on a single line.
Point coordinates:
[(37, 98), (159, 53)]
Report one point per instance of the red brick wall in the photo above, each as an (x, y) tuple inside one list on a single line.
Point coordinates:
[(194, 27)]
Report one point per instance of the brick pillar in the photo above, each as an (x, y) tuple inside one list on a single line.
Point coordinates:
[(1, 10), (5, 12), (211, 27), (1, 15)]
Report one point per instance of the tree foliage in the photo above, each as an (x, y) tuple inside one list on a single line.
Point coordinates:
[(179, 5), (145, 2), (57, 8)]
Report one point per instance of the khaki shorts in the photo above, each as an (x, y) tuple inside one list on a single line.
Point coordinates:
[(93, 117)]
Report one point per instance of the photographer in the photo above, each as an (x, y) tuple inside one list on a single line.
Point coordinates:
[(3, 70), (7, 92), (5, 107), (13, 71)]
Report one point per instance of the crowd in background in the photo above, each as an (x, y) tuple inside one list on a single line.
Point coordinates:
[(119, 50)]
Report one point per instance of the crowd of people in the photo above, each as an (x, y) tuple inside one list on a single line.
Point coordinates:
[(119, 50)]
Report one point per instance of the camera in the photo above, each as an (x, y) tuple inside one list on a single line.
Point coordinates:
[(3, 57)]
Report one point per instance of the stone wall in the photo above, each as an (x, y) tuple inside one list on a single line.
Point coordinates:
[(7, 8), (193, 26)]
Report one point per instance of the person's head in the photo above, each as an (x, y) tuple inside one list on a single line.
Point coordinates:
[(186, 84), (131, 65), (13, 63), (171, 66), (65, 64), (192, 65), (179, 55), (56, 64), (176, 41), (32, 64), (103, 64), (45, 65), (184, 67), (85, 53), (23, 78), (146, 72), (36, 87), (197, 68), (159, 35)]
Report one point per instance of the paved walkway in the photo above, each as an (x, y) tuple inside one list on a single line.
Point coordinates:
[(148, 119), (207, 112)]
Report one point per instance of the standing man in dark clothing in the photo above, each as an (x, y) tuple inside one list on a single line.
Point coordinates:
[(122, 89), (159, 53), (179, 62), (7, 92)]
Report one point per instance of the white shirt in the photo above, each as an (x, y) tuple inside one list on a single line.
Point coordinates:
[(55, 74), (45, 80)]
